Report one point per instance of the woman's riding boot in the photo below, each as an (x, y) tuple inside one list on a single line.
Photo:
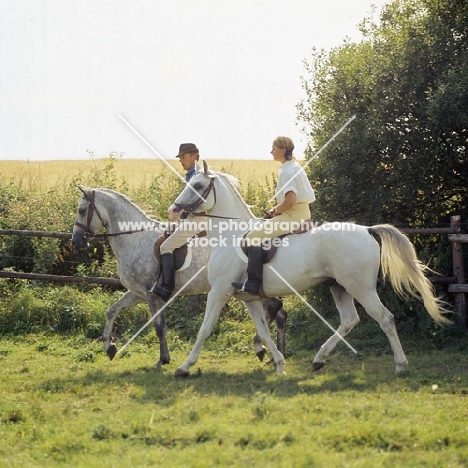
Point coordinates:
[(165, 289), (254, 272)]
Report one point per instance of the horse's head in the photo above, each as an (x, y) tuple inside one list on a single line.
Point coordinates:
[(88, 219), (199, 194)]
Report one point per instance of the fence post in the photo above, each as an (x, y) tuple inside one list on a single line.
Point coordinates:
[(459, 274)]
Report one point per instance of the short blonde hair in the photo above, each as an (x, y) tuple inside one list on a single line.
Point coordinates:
[(284, 142)]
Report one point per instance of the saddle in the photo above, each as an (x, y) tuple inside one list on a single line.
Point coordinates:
[(179, 254), (268, 252)]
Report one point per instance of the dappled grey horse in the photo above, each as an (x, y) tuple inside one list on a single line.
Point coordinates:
[(136, 266), (344, 255)]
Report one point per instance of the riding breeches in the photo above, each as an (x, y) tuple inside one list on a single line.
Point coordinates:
[(184, 232)]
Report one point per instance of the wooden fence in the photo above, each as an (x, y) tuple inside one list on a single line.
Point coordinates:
[(456, 283), (56, 278)]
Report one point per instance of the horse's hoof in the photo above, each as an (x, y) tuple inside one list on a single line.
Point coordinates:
[(270, 362), (181, 373), (317, 366), (401, 369), (261, 355), (163, 361), (111, 351)]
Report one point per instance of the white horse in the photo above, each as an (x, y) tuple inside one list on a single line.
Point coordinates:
[(136, 265), (344, 254)]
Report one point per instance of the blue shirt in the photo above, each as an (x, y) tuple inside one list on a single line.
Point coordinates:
[(190, 174)]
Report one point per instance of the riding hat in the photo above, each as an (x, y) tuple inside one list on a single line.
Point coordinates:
[(187, 148)]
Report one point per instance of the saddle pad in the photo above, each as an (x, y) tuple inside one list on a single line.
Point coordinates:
[(269, 253)]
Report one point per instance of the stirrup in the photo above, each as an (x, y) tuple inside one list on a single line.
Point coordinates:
[(163, 293), (241, 287), (151, 290)]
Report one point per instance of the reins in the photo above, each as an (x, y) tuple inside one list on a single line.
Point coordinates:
[(188, 211), (206, 215)]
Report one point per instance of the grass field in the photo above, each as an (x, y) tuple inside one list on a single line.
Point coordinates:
[(63, 404), (136, 172)]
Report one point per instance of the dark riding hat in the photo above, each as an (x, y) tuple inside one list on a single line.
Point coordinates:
[(187, 148)]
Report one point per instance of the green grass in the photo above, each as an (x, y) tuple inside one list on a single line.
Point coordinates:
[(63, 403)]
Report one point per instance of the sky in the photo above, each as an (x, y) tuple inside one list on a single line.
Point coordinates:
[(84, 79)]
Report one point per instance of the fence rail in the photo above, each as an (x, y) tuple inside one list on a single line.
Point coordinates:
[(456, 283), (57, 235), (61, 279)]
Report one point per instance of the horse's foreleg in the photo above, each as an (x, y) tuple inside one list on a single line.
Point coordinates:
[(129, 299), (214, 303), (349, 319), (155, 305), (257, 313)]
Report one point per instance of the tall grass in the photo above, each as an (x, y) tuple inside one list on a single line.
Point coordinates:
[(137, 173)]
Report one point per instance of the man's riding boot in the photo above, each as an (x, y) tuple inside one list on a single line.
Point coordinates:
[(254, 272), (165, 289)]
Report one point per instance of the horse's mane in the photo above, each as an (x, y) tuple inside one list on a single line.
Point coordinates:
[(235, 183), (126, 199)]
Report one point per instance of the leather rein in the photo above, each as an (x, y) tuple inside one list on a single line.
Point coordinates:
[(92, 208)]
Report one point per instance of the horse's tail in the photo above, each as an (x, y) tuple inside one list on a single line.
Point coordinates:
[(405, 272)]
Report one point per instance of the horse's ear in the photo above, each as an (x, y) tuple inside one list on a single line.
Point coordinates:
[(206, 171), (198, 168), (83, 190)]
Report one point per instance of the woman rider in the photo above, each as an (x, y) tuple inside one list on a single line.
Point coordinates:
[(293, 194)]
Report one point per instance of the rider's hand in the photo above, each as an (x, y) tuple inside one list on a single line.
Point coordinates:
[(269, 214)]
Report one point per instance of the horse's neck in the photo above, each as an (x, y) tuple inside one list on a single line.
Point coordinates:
[(232, 205), (125, 216)]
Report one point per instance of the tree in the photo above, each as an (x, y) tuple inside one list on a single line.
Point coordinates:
[(403, 160)]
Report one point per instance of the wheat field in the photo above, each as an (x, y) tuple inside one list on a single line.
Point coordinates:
[(135, 172)]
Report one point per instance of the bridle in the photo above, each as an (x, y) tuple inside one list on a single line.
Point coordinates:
[(188, 210), (92, 208), (201, 198)]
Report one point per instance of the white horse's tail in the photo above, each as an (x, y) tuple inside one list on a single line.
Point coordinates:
[(405, 272)]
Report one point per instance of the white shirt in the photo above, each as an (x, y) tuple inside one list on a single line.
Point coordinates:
[(292, 178)]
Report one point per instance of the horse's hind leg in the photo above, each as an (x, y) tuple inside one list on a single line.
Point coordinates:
[(258, 315), (349, 319), (280, 320), (274, 312), (155, 304), (129, 299), (385, 319)]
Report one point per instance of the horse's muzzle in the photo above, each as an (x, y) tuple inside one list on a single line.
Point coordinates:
[(79, 242)]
